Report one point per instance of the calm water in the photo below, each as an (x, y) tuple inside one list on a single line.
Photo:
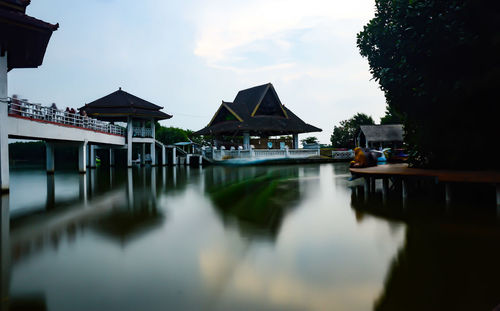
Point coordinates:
[(248, 238)]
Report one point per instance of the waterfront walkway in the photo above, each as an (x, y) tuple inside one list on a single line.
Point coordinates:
[(403, 172)]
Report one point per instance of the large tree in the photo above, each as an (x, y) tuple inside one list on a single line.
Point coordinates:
[(344, 135), (437, 62)]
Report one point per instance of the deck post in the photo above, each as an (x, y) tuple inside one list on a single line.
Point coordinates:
[(367, 187), (130, 131), (372, 184), (4, 252), (174, 156), (385, 189), (111, 157), (188, 157), (447, 193), (49, 151), (404, 186), (153, 154), (4, 134), (200, 160), (82, 157)]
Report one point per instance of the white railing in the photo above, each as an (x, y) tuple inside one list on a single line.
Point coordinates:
[(142, 132), (343, 155), (22, 108), (219, 155)]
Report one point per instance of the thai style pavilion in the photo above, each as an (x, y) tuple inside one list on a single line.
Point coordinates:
[(256, 111), (23, 41), (139, 115)]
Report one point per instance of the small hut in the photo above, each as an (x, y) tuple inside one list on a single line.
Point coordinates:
[(380, 136), (256, 111)]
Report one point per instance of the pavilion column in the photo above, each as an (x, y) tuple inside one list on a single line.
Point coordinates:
[(174, 156), (295, 141), (153, 129), (143, 153), (4, 134), (49, 150), (153, 154), (163, 155), (246, 140), (82, 157), (130, 130)]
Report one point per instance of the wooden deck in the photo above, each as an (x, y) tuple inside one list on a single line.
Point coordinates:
[(402, 170)]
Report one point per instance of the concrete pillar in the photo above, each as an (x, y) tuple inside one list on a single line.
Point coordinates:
[(4, 135), (51, 191), (82, 187), (143, 154), (367, 188), (200, 160), (187, 159), (174, 156), (4, 252), (295, 141), (153, 154), (82, 157), (130, 130), (92, 157), (111, 157), (163, 155), (130, 188), (49, 151), (246, 140)]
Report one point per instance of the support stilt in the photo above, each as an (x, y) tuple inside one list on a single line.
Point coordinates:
[(49, 151), (82, 157), (4, 135)]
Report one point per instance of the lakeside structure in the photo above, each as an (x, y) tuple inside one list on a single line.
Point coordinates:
[(256, 112), (381, 135), (136, 112), (23, 42)]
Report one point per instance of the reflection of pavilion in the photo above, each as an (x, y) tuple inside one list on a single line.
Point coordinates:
[(255, 199)]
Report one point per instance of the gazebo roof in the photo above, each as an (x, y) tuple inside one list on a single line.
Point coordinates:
[(259, 111), (119, 105), (386, 132), (23, 37)]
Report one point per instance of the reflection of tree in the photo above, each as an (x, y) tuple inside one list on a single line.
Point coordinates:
[(445, 264), (255, 199), (444, 268)]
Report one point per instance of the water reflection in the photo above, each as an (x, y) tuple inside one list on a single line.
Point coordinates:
[(449, 260), (226, 238), (254, 199)]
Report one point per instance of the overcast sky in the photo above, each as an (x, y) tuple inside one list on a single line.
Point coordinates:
[(188, 56)]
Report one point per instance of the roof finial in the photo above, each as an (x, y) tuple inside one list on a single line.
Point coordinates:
[(120, 88)]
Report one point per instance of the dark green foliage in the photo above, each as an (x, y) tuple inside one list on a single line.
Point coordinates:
[(344, 135), (437, 62), (391, 117), (170, 135), (310, 140)]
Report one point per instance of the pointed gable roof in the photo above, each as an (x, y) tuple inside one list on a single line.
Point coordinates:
[(259, 111), (120, 104)]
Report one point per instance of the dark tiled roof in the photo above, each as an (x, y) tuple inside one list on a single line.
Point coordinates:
[(23, 37), (245, 104), (121, 103), (388, 132)]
